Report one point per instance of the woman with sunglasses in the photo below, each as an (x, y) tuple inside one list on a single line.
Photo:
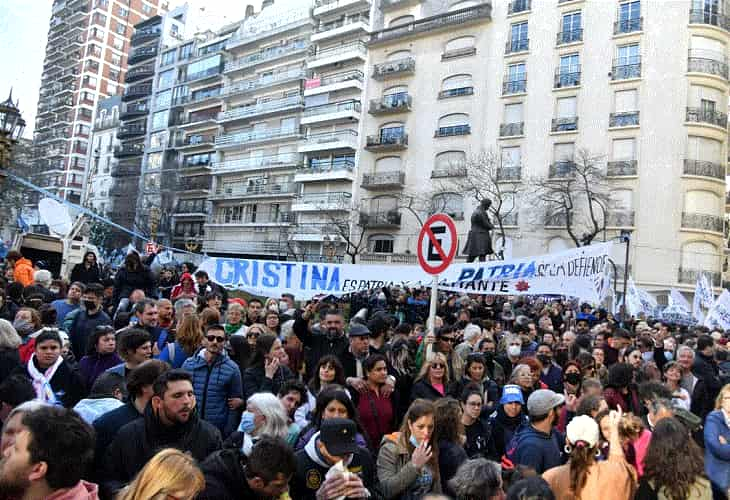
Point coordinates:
[(267, 372), (432, 380), (242, 347), (475, 373), (101, 354)]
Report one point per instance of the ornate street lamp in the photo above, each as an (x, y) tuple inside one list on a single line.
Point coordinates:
[(11, 129)]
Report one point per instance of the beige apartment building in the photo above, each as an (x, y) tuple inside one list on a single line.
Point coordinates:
[(642, 85)]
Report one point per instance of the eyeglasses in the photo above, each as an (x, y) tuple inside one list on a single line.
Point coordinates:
[(253, 334), (438, 365), (215, 338)]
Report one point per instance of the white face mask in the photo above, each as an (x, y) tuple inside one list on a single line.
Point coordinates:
[(514, 350)]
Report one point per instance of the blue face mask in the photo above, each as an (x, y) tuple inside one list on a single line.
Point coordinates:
[(247, 422), (647, 356), (413, 441), (668, 355)]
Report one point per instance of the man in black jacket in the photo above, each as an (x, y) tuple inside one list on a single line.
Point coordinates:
[(265, 473), (169, 421), (205, 286), (708, 375), (330, 340)]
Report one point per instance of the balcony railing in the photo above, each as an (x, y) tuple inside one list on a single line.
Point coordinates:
[(146, 34), (458, 92), (249, 36), (707, 62), (137, 91), (516, 6), (259, 162), (619, 168), (701, 16), (620, 218), (561, 170), (387, 141), (509, 174), (142, 53), (623, 119), (405, 66), (567, 79), (255, 136), (198, 97), (347, 136), (517, 45), (455, 18), (264, 56), (565, 124), (139, 72), (323, 81), (628, 25), (699, 115), (704, 169), (187, 184), (571, 36), (703, 222), (126, 131), (389, 219), (252, 218), (195, 140), (691, 275), (392, 103), (129, 150), (339, 24), (193, 162), (453, 130), (342, 199), (624, 71), (262, 82), (323, 166), (449, 171), (511, 129), (207, 73), (334, 107), (384, 180), (255, 189), (261, 108), (357, 47), (514, 86)]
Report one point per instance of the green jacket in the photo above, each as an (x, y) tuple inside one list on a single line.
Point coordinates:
[(396, 472)]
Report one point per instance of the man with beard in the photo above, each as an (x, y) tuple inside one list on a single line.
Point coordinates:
[(330, 340), (169, 421), (49, 457)]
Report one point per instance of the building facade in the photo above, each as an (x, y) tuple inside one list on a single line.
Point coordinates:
[(101, 161)]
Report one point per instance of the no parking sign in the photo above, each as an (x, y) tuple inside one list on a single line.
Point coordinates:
[(437, 243)]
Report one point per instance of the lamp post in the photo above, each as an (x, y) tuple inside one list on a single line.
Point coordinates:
[(625, 238), (12, 126)]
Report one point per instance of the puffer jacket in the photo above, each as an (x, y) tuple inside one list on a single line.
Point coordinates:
[(214, 384), (396, 472), (717, 454)]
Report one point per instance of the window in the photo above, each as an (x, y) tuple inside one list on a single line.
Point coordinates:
[(147, 9), (699, 256), (120, 29), (186, 51), (628, 54), (518, 38), (158, 139), (388, 164), (381, 243), (564, 152), (624, 149), (154, 161), (569, 71), (463, 5), (511, 157), (383, 204), (122, 12), (114, 74), (572, 29), (89, 81), (516, 79), (111, 88), (162, 99), (628, 62), (629, 12), (204, 67), (116, 59), (459, 47), (398, 55), (167, 58), (166, 78), (401, 21), (160, 119), (453, 124), (451, 204), (450, 159), (457, 85), (566, 107), (513, 113)]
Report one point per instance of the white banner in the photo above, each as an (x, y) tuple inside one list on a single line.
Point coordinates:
[(576, 272), (719, 313)]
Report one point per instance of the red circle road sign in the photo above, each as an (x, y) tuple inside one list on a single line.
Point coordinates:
[(437, 243)]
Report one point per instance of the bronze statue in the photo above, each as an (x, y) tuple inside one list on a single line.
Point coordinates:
[(479, 241)]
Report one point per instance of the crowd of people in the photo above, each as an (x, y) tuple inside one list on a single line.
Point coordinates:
[(146, 386)]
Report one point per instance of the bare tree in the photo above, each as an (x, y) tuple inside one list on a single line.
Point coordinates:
[(575, 194)]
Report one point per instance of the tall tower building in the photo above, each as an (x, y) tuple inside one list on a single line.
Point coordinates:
[(86, 60)]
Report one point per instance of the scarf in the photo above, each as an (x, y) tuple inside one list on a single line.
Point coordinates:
[(231, 329), (42, 381)]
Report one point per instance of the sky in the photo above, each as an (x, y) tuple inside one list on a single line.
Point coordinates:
[(24, 32)]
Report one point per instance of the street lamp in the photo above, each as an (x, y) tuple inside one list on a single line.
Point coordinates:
[(11, 129), (625, 238)]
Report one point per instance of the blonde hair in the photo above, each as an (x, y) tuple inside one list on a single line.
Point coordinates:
[(718, 399), (436, 356), (189, 334), (170, 472)]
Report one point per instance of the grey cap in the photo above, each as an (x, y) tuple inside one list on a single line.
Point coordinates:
[(542, 401), (357, 330)]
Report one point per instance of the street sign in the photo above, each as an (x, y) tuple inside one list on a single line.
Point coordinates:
[(437, 243)]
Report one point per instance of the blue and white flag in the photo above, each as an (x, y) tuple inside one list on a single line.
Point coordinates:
[(719, 313), (703, 298), (639, 301)]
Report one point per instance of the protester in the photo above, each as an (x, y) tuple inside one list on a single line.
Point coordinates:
[(131, 276), (266, 373), (329, 371), (478, 479), (475, 372), (332, 402), (100, 354), (10, 341), (717, 443), (264, 416), (235, 319), (331, 340), (188, 339), (134, 348), (26, 323), (478, 440), (291, 396), (22, 267), (87, 271), (185, 289), (374, 404), (170, 473), (673, 378), (448, 434), (70, 303), (106, 394), (432, 380), (81, 323), (537, 445), (13, 422)]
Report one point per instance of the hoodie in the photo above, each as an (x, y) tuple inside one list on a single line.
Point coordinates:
[(535, 449), (23, 272), (82, 491)]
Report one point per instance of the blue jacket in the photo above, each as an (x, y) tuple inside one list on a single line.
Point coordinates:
[(214, 384), (717, 455), (553, 379), (536, 449), (180, 355)]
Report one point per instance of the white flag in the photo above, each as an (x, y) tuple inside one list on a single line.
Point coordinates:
[(676, 299), (703, 297), (719, 313), (639, 301)]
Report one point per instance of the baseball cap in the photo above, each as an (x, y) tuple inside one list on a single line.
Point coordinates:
[(338, 435), (582, 428), (542, 401), (358, 330), (511, 394)]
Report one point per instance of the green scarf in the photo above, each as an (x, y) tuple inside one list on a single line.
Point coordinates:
[(231, 329)]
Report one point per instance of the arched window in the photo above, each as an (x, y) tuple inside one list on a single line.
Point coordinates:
[(699, 256), (392, 133), (702, 211), (453, 124), (396, 89), (396, 97), (381, 243), (448, 203), (450, 159), (463, 5), (457, 85), (461, 44), (388, 164), (401, 21), (398, 55)]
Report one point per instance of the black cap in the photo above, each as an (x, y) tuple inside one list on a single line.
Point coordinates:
[(338, 435), (357, 330)]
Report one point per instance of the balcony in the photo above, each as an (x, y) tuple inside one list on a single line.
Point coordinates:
[(262, 109), (387, 142), (201, 76), (517, 6), (388, 5), (513, 86), (338, 201), (623, 119), (126, 170), (337, 54), (131, 130), (566, 37), (561, 170), (198, 120), (517, 45), (509, 174), (390, 104), (333, 112), (251, 218), (454, 53), (326, 170), (434, 23), (232, 245), (341, 139), (329, 7), (399, 67), (700, 16), (340, 28), (245, 37), (195, 141), (704, 169), (565, 124), (710, 116), (264, 81), (258, 162), (255, 136), (145, 35), (140, 54), (620, 218), (624, 71), (335, 82), (137, 92), (448, 172), (254, 190), (628, 25), (453, 130), (140, 72), (457, 92), (264, 56), (193, 184), (384, 180), (195, 163), (198, 98), (129, 150), (703, 222), (621, 168), (511, 129), (709, 62), (380, 220), (566, 78), (691, 275)]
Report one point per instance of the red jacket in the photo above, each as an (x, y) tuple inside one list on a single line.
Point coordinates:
[(26, 350)]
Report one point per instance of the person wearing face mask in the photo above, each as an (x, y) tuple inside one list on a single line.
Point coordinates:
[(488, 348), (264, 416), (26, 322), (512, 356), (84, 322), (551, 374), (507, 418)]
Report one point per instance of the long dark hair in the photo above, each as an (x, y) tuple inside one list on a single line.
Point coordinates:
[(582, 457), (329, 394), (447, 420), (315, 384), (263, 347), (673, 461)]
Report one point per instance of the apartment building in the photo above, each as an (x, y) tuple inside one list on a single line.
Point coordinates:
[(535, 83), (101, 160), (86, 60), (256, 149)]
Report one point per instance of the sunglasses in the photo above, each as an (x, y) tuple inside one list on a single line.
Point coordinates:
[(448, 339), (253, 334), (215, 338), (438, 365)]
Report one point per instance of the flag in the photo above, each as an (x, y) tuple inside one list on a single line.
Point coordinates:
[(24, 227), (719, 313), (639, 301), (703, 298), (676, 299)]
